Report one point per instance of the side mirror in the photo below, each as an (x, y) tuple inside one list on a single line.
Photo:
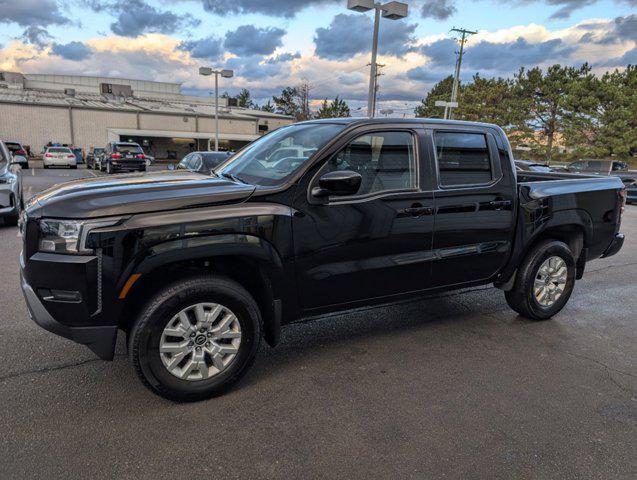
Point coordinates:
[(339, 183)]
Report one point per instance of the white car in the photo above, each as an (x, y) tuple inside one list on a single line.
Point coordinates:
[(19, 153), (59, 157)]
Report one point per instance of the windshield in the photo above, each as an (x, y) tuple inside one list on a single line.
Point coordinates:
[(271, 160), (13, 147)]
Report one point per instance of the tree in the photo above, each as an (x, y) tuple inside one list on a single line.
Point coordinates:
[(335, 109), (244, 99), (601, 121), (268, 107), (440, 91), (488, 100), (303, 97), (543, 96), (286, 103)]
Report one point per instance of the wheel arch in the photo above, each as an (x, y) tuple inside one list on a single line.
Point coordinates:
[(254, 264)]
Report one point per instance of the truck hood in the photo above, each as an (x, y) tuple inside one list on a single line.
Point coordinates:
[(136, 193)]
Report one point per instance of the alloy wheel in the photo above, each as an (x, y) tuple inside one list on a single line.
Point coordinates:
[(550, 281), (200, 341)]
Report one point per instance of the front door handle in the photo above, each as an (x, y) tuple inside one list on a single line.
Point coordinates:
[(416, 210), (500, 204)]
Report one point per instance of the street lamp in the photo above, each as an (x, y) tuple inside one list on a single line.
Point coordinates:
[(207, 71), (390, 10)]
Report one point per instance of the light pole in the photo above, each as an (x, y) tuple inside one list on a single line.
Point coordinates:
[(390, 10), (207, 71)]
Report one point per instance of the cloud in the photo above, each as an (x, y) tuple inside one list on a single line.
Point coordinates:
[(349, 35), (284, 57), (443, 9), (136, 17), (500, 58), (250, 40), (274, 8), (425, 75), (31, 13), (210, 48), (72, 51), (621, 29), (37, 36), (438, 9)]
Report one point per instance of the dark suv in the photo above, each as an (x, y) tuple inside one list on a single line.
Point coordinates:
[(197, 269), (123, 156)]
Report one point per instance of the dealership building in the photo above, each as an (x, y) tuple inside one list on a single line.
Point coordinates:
[(86, 111)]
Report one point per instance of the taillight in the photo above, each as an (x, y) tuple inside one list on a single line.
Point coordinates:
[(20, 152), (70, 156), (48, 155), (141, 155), (116, 155)]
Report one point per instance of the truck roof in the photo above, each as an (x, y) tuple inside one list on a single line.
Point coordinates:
[(383, 120)]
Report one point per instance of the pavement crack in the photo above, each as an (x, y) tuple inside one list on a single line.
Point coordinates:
[(51, 368)]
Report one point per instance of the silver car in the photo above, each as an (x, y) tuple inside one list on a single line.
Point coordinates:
[(10, 187)]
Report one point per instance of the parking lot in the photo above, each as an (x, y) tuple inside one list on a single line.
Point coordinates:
[(452, 386)]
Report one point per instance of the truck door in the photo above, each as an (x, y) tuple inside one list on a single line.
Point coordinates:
[(376, 243), (474, 205)]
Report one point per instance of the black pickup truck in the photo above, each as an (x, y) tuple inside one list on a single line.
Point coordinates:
[(196, 269)]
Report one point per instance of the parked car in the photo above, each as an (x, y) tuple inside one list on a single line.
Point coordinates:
[(93, 156), (600, 167), (525, 165), (197, 269), (203, 162), (10, 186), (20, 155), (79, 154), (59, 157), (123, 156)]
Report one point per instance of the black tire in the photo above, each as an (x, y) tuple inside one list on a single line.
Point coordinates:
[(45, 166), (522, 298), (144, 336), (26, 165), (73, 167), (12, 220)]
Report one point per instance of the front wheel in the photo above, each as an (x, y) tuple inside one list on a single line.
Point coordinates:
[(196, 338), (544, 281)]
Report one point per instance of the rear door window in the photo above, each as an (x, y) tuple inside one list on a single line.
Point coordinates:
[(463, 158)]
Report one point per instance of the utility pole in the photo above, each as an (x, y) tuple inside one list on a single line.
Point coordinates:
[(377, 75), (456, 76)]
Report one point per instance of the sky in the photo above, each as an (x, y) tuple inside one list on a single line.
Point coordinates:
[(271, 44)]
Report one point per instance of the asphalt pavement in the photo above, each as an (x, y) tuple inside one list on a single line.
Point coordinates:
[(454, 386)]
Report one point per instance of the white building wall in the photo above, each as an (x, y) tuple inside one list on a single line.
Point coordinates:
[(91, 126), (34, 125)]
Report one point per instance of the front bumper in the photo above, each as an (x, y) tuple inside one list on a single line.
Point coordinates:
[(100, 339), (615, 246), (8, 195)]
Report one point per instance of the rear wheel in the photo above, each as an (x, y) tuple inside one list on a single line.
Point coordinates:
[(544, 282), (196, 338)]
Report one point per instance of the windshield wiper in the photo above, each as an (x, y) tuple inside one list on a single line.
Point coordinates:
[(232, 177)]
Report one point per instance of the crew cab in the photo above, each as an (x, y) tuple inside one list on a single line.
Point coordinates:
[(196, 269)]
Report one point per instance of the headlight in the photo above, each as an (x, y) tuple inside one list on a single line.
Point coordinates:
[(68, 236)]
